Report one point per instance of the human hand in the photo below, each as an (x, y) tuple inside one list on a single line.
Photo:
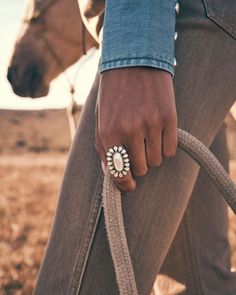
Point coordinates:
[(136, 109)]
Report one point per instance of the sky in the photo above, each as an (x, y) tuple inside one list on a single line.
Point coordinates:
[(11, 14)]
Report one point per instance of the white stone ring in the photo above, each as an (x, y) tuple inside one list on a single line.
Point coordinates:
[(118, 161)]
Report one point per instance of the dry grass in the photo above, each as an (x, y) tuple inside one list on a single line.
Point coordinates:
[(29, 185), (33, 149), (27, 202)]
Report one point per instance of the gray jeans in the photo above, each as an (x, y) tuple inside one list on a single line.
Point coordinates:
[(176, 197)]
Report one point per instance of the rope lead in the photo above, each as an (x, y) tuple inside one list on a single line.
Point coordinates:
[(111, 202)]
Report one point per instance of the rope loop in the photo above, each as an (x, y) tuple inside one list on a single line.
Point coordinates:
[(111, 202)]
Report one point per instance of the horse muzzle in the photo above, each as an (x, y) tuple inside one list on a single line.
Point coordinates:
[(27, 82)]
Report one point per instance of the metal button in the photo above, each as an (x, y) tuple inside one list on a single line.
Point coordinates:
[(176, 35), (177, 7), (175, 62)]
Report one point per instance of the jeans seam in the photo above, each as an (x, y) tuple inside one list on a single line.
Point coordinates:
[(82, 257), (193, 255)]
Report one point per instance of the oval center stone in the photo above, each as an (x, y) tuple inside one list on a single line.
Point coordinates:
[(118, 161)]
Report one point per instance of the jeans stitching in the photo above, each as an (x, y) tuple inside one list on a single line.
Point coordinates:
[(219, 20), (86, 243), (193, 255)]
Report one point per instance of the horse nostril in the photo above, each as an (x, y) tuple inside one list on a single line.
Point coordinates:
[(27, 81), (25, 77), (10, 74)]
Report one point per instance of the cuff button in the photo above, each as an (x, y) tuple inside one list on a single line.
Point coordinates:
[(177, 7), (176, 36), (175, 62)]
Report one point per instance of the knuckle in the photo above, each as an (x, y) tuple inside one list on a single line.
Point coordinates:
[(153, 120), (129, 129), (169, 116)]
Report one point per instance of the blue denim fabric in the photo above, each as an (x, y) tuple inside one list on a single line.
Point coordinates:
[(138, 33)]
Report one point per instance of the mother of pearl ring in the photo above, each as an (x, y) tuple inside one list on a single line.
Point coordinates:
[(118, 161)]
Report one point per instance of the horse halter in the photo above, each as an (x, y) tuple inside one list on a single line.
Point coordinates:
[(36, 19)]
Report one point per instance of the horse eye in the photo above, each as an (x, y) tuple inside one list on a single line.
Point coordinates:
[(35, 20)]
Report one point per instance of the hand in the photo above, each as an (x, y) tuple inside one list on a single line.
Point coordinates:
[(136, 109)]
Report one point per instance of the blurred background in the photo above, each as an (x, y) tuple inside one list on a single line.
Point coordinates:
[(35, 138), (36, 133), (12, 14)]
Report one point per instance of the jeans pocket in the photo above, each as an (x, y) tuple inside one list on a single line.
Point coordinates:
[(223, 13)]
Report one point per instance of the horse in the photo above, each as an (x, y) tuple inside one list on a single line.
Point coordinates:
[(53, 38)]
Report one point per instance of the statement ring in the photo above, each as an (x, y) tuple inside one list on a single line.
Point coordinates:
[(118, 161)]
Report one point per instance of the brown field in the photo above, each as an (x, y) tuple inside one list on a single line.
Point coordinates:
[(33, 151)]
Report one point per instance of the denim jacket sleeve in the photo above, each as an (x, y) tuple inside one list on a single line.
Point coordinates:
[(138, 33)]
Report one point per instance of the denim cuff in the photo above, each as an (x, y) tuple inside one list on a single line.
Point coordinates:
[(138, 33), (135, 62)]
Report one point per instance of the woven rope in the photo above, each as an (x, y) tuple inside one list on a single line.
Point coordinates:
[(117, 238), (111, 202)]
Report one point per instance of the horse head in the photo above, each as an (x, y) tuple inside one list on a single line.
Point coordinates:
[(52, 41)]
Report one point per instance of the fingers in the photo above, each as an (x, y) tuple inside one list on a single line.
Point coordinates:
[(142, 154), (161, 144), (154, 146), (161, 139), (170, 139), (123, 119), (136, 151), (126, 182), (98, 144)]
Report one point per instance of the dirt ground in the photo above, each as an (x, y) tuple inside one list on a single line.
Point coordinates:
[(33, 151)]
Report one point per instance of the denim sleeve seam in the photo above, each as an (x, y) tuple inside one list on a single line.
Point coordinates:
[(157, 63), (149, 57)]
